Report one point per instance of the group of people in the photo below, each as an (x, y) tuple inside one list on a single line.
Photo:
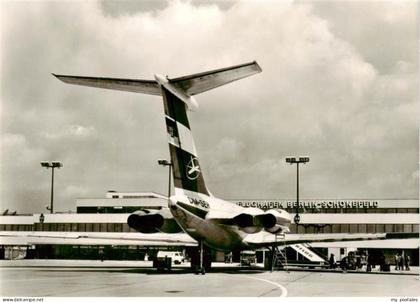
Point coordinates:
[(402, 261)]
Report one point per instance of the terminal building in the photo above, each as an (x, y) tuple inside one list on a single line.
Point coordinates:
[(110, 214)]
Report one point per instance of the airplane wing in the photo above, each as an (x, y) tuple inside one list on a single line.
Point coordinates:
[(96, 238), (139, 86), (264, 239), (200, 82)]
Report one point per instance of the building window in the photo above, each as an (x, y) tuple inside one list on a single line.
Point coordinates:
[(328, 229), (300, 229), (52, 227), (371, 228), (96, 227), (399, 228), (126, 228), (23, 227), (118, 227), (389, 228), (380, 228), (81, 227), (336, 228), (345, 228), (353, 228), (407, 228)]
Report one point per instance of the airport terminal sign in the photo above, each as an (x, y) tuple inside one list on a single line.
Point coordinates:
[(310, 204)]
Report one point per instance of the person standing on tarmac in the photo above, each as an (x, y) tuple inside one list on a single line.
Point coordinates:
[(396, 262), (401, 263), (407, 262), (332, 262), (369, 264)]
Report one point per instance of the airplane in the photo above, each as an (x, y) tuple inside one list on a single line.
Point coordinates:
[(211, 222)]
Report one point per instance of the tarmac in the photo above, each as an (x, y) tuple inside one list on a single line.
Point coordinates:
[(86, 278)]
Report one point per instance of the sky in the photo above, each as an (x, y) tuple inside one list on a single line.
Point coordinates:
[(339, 84)]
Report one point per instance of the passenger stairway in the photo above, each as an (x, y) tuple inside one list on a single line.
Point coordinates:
[(308, 253), (279, 253)]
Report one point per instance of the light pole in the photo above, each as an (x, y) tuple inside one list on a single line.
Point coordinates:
[(164, 162), (297, 161), (52, 165)]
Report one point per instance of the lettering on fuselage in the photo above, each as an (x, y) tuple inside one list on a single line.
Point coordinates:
[(198, 202)]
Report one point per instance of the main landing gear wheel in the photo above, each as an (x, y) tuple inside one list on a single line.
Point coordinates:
[(199, 271), (202, 270), (200, 258)]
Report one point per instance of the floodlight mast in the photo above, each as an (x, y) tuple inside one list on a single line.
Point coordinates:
[(52, 165), (297, 161)]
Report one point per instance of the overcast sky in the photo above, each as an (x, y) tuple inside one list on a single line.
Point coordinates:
[(339, 84)]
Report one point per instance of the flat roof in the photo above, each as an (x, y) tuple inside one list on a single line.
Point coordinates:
[(159, 200), (121, 202), (384, 244), (329, 203), (359, 218)]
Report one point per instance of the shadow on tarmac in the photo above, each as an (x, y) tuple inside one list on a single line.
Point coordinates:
[(174, 271)]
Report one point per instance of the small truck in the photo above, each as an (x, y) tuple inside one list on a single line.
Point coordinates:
[(164, 260)]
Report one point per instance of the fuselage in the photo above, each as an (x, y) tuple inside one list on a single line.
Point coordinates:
[(209, 219)]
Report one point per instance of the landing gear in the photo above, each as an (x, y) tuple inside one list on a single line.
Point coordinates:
[(277, 258), (200, 258), (202, 269), (269, 261)]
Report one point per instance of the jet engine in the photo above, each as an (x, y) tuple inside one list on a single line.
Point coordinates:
[(276, 221), (247, 221), (253, 220), (145, 221)]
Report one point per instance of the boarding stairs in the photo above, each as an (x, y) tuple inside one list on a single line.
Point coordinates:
[(279, 253)]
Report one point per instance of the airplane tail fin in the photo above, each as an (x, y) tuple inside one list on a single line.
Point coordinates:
[(177, 94), (177, 98), (186, 169)]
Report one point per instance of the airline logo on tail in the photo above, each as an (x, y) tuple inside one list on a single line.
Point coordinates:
[(193, 169)]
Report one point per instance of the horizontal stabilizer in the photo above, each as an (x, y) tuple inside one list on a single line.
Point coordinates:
[(187, 85), (139, 86), (200, 82)]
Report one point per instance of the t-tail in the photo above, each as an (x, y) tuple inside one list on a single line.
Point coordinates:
[(177, 96)]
